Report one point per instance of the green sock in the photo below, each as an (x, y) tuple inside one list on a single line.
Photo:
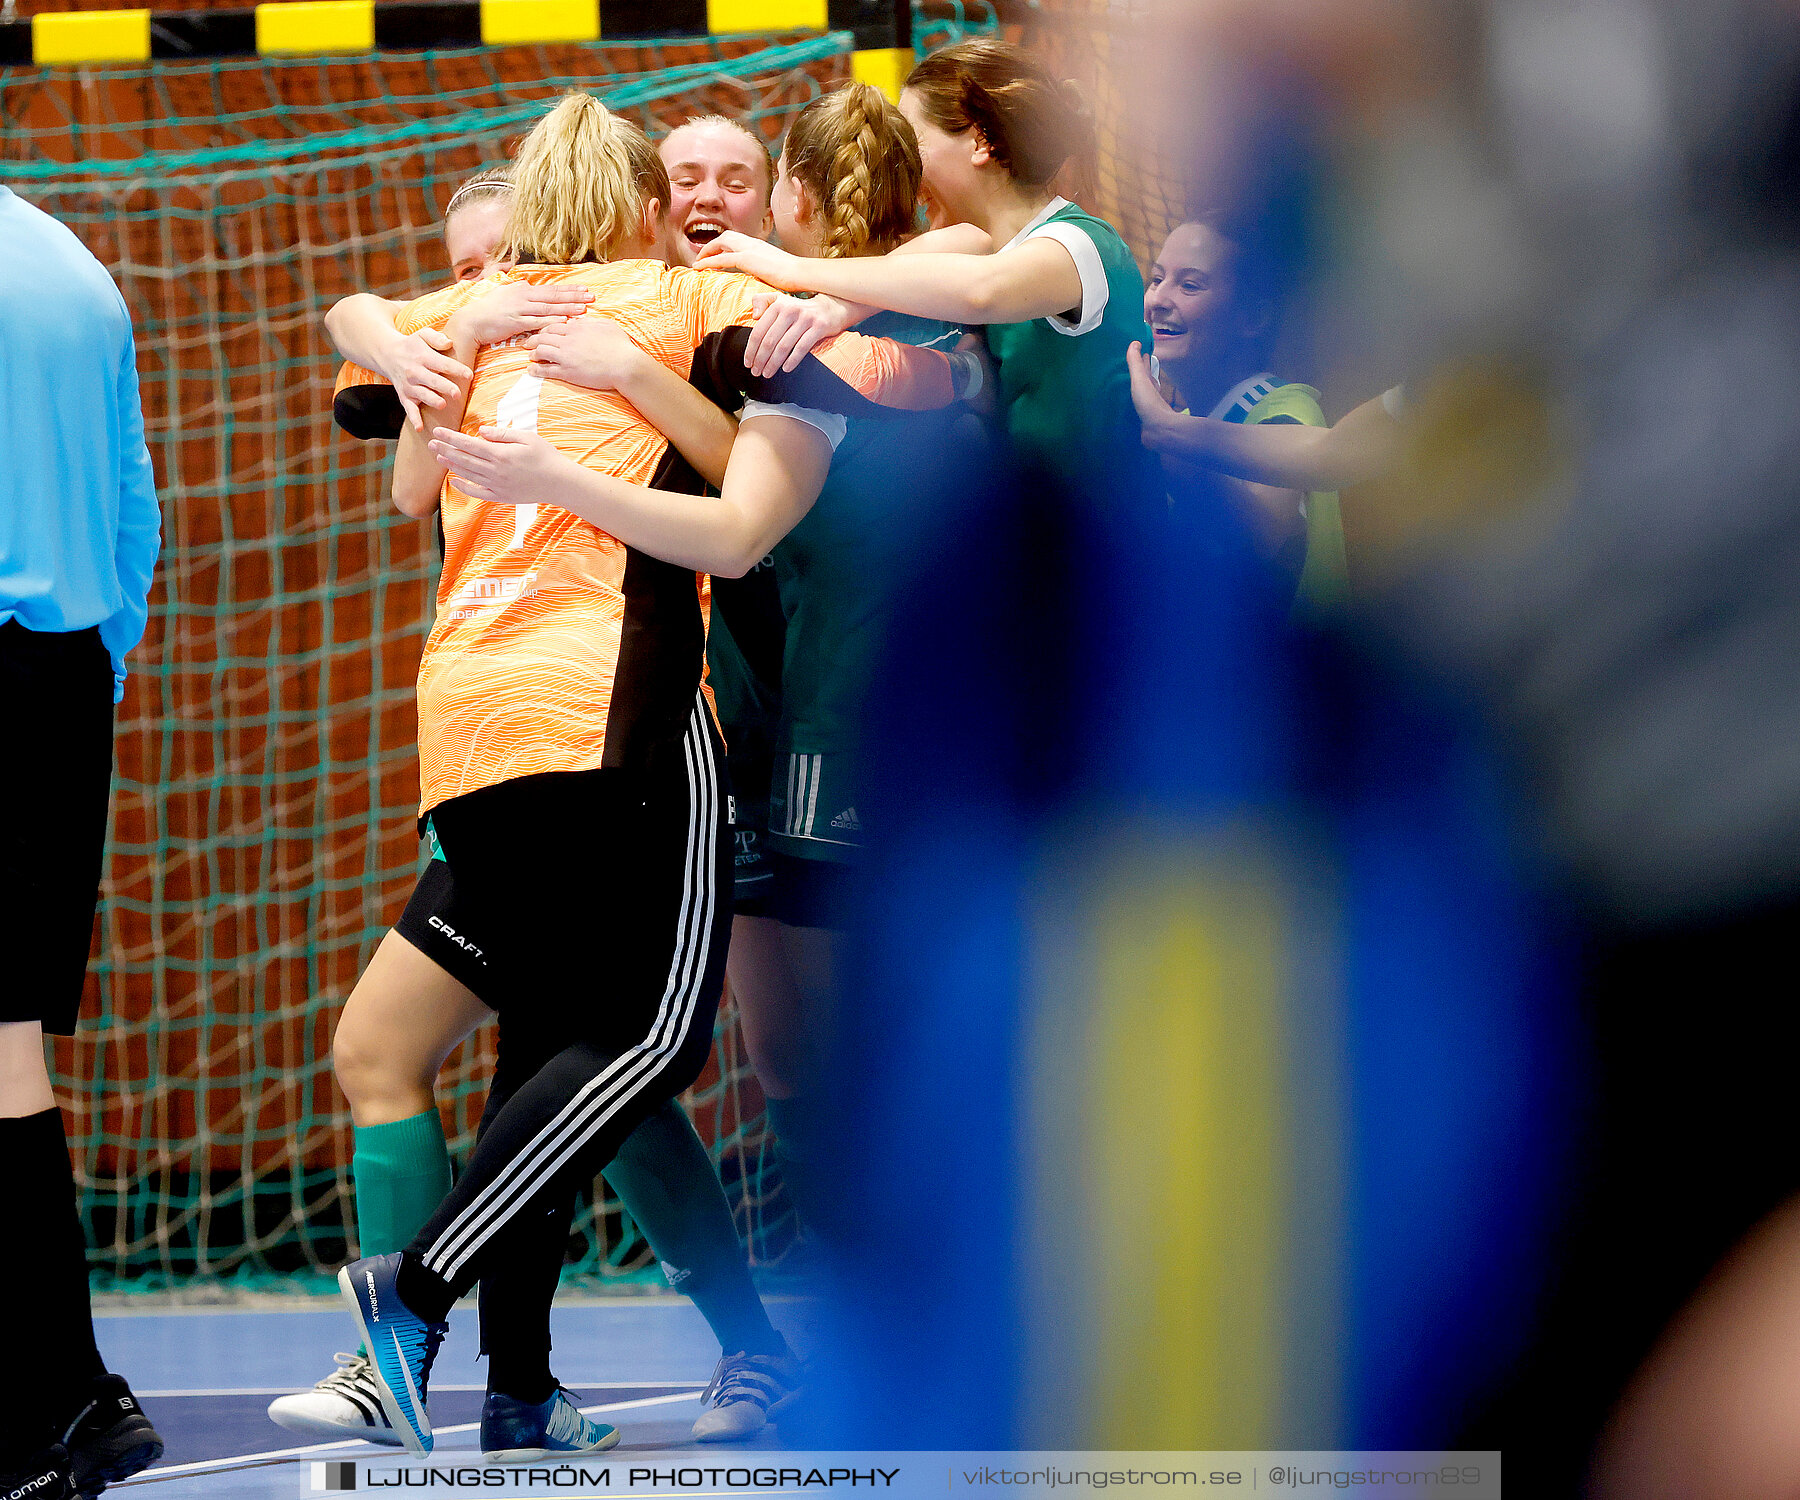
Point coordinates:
[(796, 1126), (402, 1173), (666, 1181)]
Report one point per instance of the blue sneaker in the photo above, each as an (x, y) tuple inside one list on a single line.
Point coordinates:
[(401, 1345), (515, 1431)]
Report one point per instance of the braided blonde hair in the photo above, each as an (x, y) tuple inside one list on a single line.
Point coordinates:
[(858, 156), (580, 182)]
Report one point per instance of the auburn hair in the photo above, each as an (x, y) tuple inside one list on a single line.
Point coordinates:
[(580, 181), (1033, 122), (858, 156)]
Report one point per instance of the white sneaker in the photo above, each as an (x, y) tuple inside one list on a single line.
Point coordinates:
[(345, 1404), (735, 1404)]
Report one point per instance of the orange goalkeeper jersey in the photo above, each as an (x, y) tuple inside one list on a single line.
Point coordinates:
[(556, 647)]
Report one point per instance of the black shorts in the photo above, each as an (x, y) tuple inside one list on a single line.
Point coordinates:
[(451, 936), (751, 876), (743, 655), (56, 766), (808, 892), (811, 811), (589, 894)]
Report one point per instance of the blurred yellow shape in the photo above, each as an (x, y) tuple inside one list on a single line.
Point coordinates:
[(66, 38), (530, 22), (885, 67), (301, 26), (1483, 443), (1163, 1142), (765, 15)]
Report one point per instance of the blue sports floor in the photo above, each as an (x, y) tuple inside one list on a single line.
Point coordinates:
[(206, 1377)]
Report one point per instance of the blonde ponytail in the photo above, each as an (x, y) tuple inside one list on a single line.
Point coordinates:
[(858, 156), (580, 181)]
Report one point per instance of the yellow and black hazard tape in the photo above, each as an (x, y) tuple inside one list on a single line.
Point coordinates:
[(286, 28)]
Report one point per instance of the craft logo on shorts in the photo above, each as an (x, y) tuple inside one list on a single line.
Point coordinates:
[(337, 1474), (462, 942)]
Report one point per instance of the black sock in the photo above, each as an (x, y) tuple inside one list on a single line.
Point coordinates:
[(46, 1250), (426, 1294), (515, 1306)]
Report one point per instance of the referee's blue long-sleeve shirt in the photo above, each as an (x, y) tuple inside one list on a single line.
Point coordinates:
[(79, 523)]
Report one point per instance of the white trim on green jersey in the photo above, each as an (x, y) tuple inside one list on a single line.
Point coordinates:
[(1095, 289)]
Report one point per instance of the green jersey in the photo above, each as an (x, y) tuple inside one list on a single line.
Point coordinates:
[(1065, 389), (835, 568), (743, 656)]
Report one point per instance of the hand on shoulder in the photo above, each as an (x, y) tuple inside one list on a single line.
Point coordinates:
[(735, 251), (519, 307), (789, 328)]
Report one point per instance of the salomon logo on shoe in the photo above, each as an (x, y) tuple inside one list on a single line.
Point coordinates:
[(110, 1439), (45, 1477)]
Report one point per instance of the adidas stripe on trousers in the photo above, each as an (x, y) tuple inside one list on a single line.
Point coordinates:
[(610, 895)]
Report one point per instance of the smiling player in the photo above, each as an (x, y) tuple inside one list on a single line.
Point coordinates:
[(720, 177), (1211, 312)]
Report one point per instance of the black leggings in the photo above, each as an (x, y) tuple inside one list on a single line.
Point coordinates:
[(613, 888)]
